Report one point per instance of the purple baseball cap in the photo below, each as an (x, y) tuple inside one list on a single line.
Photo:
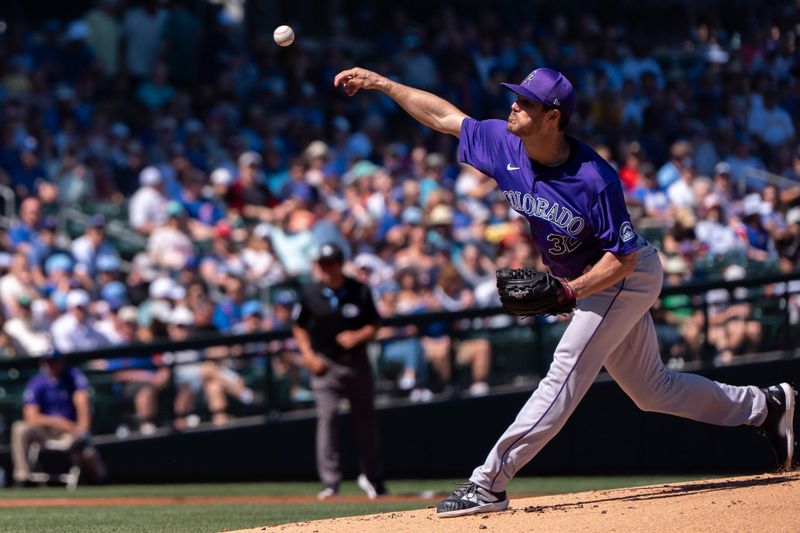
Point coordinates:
[(548, 87)]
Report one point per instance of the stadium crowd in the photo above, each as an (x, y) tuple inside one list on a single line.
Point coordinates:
[(234, 159)]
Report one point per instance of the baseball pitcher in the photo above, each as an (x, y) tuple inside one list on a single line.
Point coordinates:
[(601, 271)]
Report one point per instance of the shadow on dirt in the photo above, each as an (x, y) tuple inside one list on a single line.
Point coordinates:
[(667, 491)]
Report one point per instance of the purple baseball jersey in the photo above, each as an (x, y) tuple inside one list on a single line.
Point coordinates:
[(54, 396), (576, 210)]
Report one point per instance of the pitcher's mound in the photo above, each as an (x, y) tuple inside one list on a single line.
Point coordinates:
[(763, 503)]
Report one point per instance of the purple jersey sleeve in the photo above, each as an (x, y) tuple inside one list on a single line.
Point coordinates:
[(31, 394), (480, 142), (614, 229), (79, 379)]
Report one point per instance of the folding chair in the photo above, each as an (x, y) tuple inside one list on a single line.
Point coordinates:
[(38, 475)]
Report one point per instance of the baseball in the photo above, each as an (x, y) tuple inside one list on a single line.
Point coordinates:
[(283, 35)]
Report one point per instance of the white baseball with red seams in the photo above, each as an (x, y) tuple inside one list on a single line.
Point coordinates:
[(283, 35)]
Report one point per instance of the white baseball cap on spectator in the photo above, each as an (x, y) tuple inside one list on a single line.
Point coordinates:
[(262, 231), (369, 261), (128, 314), (712, 200), (177, 293), (222, 176), (723, 167), (793, 216), (316, 149), (441, 215), (751, 204), (734, 273), (160, 310), (161, 288), (249, 159), (77, 298), (145, 266), (675, 265), (181, 316), (315, 177), (150, 177)]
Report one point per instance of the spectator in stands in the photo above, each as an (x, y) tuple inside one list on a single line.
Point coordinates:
[(745, 166), (147, 206), (250, 197), (105, 35), (56, 407), (714, 232), (44, 245), (193, 376), (228, 311), (75, 330), (293, 241), (401, 344), (170, 246), (225, 258), (141, 30), (27, 175), (156, 92), (680, 192), (722, 186), (731, 330), (137, 379), (287, 359), (24, 231), (770, 123), (93, 244), (16, 283), (262, 268), (26, 338), (758, 241), (649, 195), (679, 159), (187, 369), (793, 170), (450, 294), (679, 330)]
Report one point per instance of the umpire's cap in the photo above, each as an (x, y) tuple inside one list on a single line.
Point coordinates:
[(330, 252)]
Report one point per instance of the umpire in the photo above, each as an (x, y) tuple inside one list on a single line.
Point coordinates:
[(335, 320)]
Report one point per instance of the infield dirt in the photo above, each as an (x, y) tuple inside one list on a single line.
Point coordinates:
[(763, 503)]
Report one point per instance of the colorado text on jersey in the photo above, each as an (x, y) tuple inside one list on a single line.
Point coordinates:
[(540, 208)]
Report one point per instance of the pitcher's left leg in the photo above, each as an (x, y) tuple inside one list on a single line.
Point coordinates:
[(636, 366)]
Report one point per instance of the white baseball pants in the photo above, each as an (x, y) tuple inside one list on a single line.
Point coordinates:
[(614, 328)]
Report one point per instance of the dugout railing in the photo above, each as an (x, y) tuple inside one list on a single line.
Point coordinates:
[(521, 350)]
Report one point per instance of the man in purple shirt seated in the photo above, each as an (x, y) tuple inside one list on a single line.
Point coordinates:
[(56, 408), (573, 201)]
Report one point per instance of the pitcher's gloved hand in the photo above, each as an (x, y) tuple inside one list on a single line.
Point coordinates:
[(525, 292)]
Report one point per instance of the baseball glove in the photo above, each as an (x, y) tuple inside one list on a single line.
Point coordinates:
[(525, 292)]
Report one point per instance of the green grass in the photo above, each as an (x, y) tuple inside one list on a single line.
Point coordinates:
[(218, 517)]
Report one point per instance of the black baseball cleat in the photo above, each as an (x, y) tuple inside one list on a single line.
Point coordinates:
[(470, 498), (779, 424)]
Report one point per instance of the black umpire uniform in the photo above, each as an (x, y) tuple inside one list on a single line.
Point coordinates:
[(335, 319)]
